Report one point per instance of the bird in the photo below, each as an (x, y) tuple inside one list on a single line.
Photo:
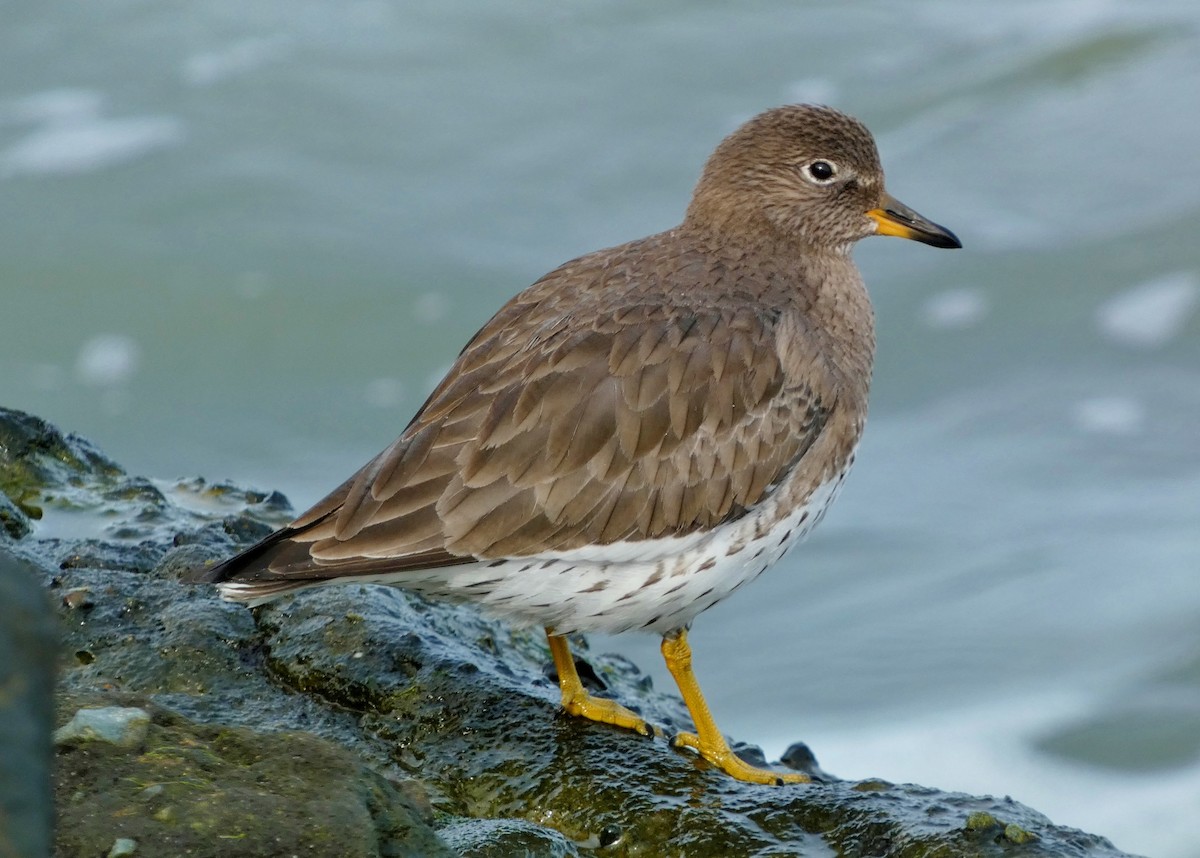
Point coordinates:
[(643, 430)]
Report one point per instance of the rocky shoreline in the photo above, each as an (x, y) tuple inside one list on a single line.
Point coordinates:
[(354, 721)]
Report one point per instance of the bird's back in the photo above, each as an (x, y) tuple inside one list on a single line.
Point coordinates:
[(636, 396)]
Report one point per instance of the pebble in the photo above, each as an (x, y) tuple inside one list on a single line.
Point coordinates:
[(115, 725), (78, 598), (122, 848)]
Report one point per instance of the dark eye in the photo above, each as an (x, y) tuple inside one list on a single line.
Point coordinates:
[(821, 171)]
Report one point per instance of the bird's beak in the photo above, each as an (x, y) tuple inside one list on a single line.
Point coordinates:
[(895, 218)]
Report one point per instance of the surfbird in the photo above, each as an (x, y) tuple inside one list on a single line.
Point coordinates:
[(640, 432)]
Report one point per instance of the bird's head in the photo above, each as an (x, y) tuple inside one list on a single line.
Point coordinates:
[(805, 174)]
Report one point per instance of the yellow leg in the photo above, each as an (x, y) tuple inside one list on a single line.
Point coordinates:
[(707, 741), (577, 701)]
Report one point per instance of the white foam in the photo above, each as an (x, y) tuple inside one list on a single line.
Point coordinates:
[(52, 105), (955, 308), (430, 307), (252, 285), (1110, 415), (107, 359), (247, 55), (991, 748), (82, 144), (1150, 314), (812, 90), (384, 392)]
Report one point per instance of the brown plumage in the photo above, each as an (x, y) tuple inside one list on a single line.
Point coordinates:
[(679, 407)]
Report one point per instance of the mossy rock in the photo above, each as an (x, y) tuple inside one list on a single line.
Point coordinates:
[(208, 791), (364, 720)]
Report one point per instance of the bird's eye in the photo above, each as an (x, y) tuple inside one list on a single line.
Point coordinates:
[(821, 172)]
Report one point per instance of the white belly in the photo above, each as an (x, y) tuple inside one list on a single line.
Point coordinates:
[(658, 585)]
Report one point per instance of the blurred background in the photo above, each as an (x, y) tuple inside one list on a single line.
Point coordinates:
[(243, 238)]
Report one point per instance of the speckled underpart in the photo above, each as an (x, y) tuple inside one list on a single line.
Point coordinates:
[(614, 588)]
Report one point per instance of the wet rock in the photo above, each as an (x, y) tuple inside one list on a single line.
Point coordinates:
[(119, 726), (84, 512), (503, 838), (14, 523), (363, 720), (200, 790), (36, 456)]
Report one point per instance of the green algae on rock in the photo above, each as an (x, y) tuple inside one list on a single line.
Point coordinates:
[(199, 790), (363, 720)]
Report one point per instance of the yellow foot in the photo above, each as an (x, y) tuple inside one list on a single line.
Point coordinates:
[(707, 741), (584, 705), (723, 757), (578, 702)]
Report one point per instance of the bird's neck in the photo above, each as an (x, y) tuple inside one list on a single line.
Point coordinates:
[(820, 284), (841, 312)]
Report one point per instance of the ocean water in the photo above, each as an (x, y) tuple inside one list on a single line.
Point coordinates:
[(243, 239)]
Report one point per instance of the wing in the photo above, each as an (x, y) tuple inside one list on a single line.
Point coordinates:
[(589, 424)]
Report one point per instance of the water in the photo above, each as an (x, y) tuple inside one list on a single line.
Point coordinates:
[(242, 239)]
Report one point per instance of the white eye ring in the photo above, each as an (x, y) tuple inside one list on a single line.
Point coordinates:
[(820, 171)]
